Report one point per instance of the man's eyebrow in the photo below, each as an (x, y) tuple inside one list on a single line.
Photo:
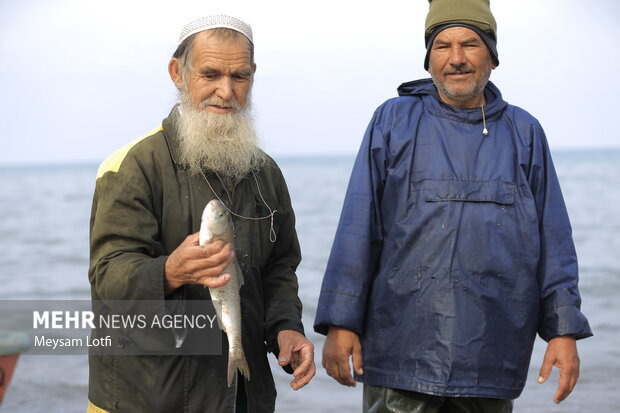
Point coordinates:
[(209, 71), (243, 72), (472, 40)]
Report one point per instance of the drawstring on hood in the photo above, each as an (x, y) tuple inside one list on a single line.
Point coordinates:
[(425, 89)]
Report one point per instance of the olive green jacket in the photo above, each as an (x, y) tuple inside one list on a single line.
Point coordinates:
[(145, 204)]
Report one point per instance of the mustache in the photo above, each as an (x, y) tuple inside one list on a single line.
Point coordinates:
[(216, 101), (459, 70)]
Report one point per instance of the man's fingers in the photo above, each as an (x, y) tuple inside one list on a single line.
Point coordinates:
[(302, 378), (306, 368), (284, 357), (562, 392), (214, 282), (298, 352), (215, 247), (208, 261), (194, 264), (545, 369), (568, 380), (302, 360), (561, 353), (286, 343), (573, 380), (344, 373), (330, 367), (213, 253), (339, 345), (334, 370), (337, 367), (188, 259), (209, 272), (206, 274), (358, 361)]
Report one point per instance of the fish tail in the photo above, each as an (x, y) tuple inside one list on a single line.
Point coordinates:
[(235, 363), (243, 366)]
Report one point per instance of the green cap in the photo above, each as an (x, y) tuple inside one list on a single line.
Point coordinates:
[(472, 12), (475, 14)]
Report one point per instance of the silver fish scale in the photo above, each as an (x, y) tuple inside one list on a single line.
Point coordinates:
[(226, 298)]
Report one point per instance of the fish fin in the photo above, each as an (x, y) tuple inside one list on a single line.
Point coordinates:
[(234, 364), (232, 370), (243, 367)]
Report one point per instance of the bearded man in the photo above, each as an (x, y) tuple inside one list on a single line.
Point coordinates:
[(146, 214)]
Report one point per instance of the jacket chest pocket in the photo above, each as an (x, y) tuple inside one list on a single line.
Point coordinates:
[(480, 221), (482, 209), (495, 192)]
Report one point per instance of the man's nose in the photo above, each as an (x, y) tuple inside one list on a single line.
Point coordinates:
[(457, 56), (225, 88)]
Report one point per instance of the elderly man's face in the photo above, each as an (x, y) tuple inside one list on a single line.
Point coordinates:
[(460, 64), (220, 77)]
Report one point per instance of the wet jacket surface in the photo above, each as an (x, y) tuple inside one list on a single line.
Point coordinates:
[(453, 248), (144, 206)]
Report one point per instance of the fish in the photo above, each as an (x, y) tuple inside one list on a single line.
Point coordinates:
[(216, 224)]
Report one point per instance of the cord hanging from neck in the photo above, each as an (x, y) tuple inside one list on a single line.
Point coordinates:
[(485, 131), (272, 212)]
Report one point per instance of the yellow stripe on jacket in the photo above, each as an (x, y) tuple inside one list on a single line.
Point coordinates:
[(114, 161), (94, 409)]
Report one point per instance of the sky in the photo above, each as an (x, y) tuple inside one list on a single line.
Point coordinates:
[(80, 78)]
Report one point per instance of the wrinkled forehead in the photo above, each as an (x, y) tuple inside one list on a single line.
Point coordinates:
[(213, 50)]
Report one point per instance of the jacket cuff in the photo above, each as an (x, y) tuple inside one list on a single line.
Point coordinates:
[(153, 271), (339, 309), (565, 321)]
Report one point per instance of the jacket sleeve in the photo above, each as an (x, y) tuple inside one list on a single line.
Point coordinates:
[(283, 308), (358, 242), (126, 261), (557, 267)]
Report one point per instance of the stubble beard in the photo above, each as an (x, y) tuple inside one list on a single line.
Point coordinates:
[(462, 93), (223, 143)]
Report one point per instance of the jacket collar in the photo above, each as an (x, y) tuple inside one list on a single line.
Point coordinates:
[(425, 88)]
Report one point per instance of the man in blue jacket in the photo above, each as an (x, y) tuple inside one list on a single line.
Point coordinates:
[(454, 246)]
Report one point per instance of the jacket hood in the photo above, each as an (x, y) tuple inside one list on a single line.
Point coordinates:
[(426, 89)]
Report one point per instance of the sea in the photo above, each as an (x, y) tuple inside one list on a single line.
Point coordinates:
[(44, 216)]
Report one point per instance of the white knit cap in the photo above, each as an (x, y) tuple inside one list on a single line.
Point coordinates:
[(212, 22)]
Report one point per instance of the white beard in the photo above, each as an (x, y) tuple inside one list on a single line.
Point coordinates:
[(224, 143)]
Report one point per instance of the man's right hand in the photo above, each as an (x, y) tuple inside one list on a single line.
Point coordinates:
[(191, 263), (339, 345)]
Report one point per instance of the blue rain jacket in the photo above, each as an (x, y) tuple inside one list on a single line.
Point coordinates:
[(453, 248)]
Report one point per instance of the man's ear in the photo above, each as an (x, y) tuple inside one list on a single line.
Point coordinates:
[(175, 72)]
